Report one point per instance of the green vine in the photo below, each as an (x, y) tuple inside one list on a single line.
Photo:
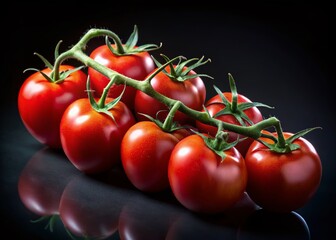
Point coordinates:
[(254, 131)]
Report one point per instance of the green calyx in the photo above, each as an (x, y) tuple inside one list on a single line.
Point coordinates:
[(101, 106), (217, 144), (282, 145), (169, 125), (130, 47), (234, 108), (61, 75), (180, 72)]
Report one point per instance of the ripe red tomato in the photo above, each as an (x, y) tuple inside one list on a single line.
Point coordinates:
[(145, 152), (136, 66), (201, 180), (90, 139), (282, 182), (191, 92), (215, 105), (41, 103)]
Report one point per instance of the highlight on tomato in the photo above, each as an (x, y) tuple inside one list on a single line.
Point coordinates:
[(234, 108), (206, 174), (176, 81), (283, 172), (44, 96), (128, 59), (92, 129)]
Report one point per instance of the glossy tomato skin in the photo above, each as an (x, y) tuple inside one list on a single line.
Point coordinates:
[(41, 103), (145, 152), (90, 139), (283, 182), (214, 105), (201, 180), (136, 66), (191, 92)]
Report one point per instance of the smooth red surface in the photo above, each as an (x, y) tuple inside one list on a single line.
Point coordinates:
[(41, 103), (90, 139), (283, 182), (201, 180)]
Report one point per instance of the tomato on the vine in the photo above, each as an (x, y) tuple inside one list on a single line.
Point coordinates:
[(91, 132), (127, 59), (43, 99), (178, 82), (145, 153), (205, 180), (282, 181), (234, 108)]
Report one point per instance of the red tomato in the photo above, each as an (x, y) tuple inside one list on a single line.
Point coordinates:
[(136, 66), (191, 92), (215, 104), (282, 182), (145, 152), (90, 139), (41, 103), (201, 180)]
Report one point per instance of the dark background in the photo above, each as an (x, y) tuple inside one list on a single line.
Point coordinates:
[(280, 53)]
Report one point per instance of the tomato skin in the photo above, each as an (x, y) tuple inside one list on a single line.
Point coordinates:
[(136, 66), (282, 182), (201, 181), (214, 105), (41, 103), (191, 92), (145, 152), (91, 140)]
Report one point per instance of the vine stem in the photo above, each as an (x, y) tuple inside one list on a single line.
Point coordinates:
[(77, 52)]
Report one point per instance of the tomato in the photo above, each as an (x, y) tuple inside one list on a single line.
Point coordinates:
[(214, 105), (191, 92), (42, 181), (41, 103), (128, 59), (145, 152), (282, 182), (91, 139), (203, 181)]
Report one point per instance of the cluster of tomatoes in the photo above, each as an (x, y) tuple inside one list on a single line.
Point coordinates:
[(128, 127)]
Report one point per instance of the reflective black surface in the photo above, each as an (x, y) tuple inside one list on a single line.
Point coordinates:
[(281, 54)]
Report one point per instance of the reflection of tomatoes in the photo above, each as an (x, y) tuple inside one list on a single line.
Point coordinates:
[(262, 224), (42, 181), (145, 218), (91, 208)]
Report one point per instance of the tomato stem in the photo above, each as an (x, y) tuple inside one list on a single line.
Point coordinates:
[(167, 124)]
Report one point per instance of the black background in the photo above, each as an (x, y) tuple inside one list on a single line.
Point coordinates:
[(280, 53)]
